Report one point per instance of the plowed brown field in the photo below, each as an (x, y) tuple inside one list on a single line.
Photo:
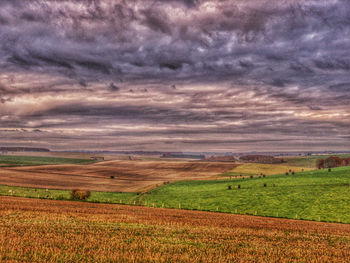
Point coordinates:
[(129, 176), (33, 230)]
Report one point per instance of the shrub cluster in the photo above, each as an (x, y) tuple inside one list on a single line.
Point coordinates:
[(77, 194)]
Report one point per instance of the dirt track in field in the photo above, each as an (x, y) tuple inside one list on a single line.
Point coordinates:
[(129, 176)]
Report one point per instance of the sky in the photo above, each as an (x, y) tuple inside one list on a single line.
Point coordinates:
[(175, 75)]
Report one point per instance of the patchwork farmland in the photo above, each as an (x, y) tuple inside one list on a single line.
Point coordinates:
[(137, 225)]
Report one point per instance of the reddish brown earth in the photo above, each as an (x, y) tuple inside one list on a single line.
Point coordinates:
[(128, 175)]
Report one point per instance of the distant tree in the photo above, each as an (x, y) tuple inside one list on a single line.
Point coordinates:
[(333, 161), (320, 164), (346, 161)]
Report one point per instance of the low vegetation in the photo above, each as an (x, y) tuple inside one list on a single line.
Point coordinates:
[(56, 231), (261, 159), (54, 194), (12, 160), (310, 195), (332, 161), (248, 169), (308, 161), (77, 194)]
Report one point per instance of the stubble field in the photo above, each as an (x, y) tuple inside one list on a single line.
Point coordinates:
[(33, 230)]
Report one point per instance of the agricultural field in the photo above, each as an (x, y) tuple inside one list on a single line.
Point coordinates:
[(194, 185), (112, 176), (247, 169), (56, 194), (14, 160), (316, 195), (66, 231), (308, 161), (310, 195)]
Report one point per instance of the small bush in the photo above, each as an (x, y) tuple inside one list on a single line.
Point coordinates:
[(80, 194), (60, 197)]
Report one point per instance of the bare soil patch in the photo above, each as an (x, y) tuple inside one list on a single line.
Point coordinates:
[(116, 175)]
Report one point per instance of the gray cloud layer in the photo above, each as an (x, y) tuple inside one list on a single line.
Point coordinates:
[(206, 75)]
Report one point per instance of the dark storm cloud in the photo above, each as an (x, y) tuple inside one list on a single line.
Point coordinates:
[(136, 113), (256, 41), (273, 68)]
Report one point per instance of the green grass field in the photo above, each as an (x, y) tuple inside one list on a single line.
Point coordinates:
[(12, 160), (311, 195), (98, 197)]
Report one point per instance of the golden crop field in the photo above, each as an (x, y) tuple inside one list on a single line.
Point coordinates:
[(268, 169), (33, 230)]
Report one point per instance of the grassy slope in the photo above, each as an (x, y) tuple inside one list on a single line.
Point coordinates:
[(12, 160), (308, 195), (103, 197), (258, 168)]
